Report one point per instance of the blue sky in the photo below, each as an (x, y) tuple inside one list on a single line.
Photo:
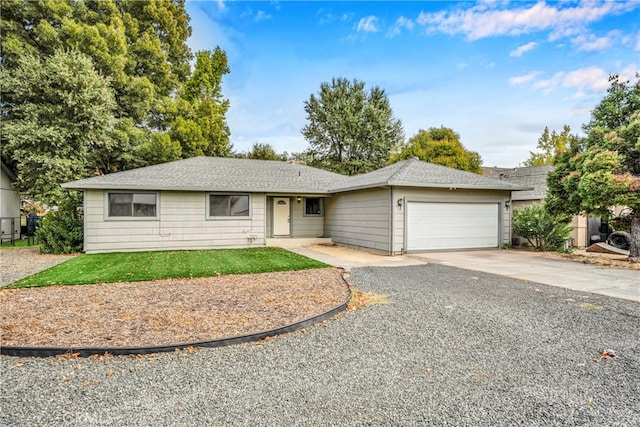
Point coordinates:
[(496, 72)]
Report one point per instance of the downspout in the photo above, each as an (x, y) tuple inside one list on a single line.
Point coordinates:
[(509, 210), (84, 220)]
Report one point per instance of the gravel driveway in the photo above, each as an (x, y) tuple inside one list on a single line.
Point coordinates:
[(16, 264), (455, 347)]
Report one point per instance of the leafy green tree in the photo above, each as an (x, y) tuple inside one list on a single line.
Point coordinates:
[(160, 148), (62, 231), (265, 152), (550, 145), (603, 170), (440, 146), (543, 230), (56, 112), (139, 45), (200, 126), (349, 130)]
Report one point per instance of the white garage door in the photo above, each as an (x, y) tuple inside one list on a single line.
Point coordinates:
[(434, 226)]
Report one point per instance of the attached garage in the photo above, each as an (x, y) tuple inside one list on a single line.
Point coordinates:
[(439, 226)]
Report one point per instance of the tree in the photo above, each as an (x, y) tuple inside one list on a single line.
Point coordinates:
[(551, 145), (265, 152), (603, 169), (140, 46), (62, 231), (56, 111), (543, 230), (350, 131), (441, 146), (200, 125)]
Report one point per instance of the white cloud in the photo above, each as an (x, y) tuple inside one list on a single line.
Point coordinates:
[(548, 85), (591, 43), (328, 17), (585, 81), (593, 79), (261, 15), (496, 19), (367, 24), (400, 24), (629, 72), (519, 80), (522, 49)]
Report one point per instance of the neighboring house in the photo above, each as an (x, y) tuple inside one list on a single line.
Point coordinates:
[(536, 177), (9, 205), (208, 202)]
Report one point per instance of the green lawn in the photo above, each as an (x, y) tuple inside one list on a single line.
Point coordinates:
[(138, 266), (20, 244)]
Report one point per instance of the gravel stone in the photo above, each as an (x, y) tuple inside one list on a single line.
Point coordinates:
[(16, 264), (454, 348)]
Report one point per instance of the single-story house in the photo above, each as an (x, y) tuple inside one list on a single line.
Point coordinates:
[(208, 202), (536, 178), (9, 205)]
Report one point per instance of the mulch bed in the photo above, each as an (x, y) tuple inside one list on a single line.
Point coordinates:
[(163, 312)]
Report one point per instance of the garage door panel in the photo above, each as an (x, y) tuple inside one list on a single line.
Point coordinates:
[(434, 226)]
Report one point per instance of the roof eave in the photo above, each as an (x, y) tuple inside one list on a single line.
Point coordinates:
[(462, 186), (78, 186)]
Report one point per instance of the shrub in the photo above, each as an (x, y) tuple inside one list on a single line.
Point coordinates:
[(543, 230), (62, 231)]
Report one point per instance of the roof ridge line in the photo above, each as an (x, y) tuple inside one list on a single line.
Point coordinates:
[(406, 163)]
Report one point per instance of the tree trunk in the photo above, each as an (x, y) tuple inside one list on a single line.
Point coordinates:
[(634, 249)]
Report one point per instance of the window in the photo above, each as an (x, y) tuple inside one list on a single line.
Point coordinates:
[(313, 206), (234, 205), (142, 205)]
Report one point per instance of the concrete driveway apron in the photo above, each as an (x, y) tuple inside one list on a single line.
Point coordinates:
[(618, 283)]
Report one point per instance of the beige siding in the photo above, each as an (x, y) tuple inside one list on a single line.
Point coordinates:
[(9, 198), (445, 195), (360, 219), (305, 226), (182, 224)]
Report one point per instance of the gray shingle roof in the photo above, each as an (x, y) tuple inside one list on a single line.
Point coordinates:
[(218, 174), (529, 176), (415, 173), (229, 174)]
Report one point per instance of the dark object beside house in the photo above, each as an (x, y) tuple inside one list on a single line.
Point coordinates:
[(620, 240)]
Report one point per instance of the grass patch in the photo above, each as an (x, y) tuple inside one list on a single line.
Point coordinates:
[(141, 266), (20, 244), (360, 299), (590, 306)]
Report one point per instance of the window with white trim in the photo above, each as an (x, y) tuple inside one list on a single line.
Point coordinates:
[(228, 205), (133, 205), (312, 206)]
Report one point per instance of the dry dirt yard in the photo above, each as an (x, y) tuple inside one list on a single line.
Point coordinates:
[(605, 260), (166, 312)]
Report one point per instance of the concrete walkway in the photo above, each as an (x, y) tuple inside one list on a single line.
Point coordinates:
[(618, 283)]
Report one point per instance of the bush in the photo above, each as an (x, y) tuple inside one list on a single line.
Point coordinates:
[(62, 231), (543, 230)]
